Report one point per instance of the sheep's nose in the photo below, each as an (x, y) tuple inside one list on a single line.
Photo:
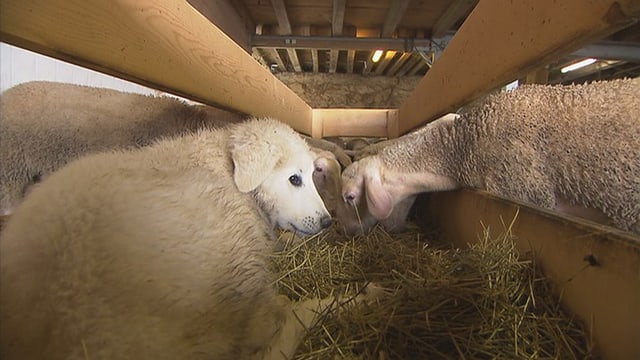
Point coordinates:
[(349, 197), (325, 221)]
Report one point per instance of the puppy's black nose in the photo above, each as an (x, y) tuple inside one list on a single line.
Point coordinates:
[(325, 221)]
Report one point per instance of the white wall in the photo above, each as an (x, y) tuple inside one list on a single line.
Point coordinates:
[(18, 66)]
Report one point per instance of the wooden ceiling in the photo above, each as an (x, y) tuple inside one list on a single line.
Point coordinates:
[(340, 36)]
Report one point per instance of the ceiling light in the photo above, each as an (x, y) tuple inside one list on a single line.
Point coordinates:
[(376, 56), (577, 65)]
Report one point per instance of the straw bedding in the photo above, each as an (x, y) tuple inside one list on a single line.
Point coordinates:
[(484, 302)]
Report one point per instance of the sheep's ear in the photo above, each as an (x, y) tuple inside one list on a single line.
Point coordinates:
[(379, 201), (252, 163)]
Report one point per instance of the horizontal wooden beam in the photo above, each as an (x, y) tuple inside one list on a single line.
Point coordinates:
[(164, 44), (339, 43), (605, 295), (504, 40), (354, 122)]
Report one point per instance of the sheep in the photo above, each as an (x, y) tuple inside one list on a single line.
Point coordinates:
[(330, 146), (550, 146), (44, 125), (326, 178), (161, 252), (357, 144), (354, 219)]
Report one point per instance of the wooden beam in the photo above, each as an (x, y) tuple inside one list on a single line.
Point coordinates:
[(285, 29), (454, 12), (314, 59), (314, 52), (394, 16), (417, 67), (337, 20), (354, 122), (163, 44), (409, 64), (398, 64), (351, 56), (605, 296), (224, 15), (388, 56), (338, 43), (295, 62), (243, 12), (257, 54), (275, 56), (283, 18), (333, 60), (504, 40)]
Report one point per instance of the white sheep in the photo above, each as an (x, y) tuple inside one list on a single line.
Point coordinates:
[(354, 218), (332, 147), (326, 178), (161, 252), (550, 146), (44, 125)]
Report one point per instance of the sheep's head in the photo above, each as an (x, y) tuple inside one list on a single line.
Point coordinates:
[(362, 180), (326, 178)]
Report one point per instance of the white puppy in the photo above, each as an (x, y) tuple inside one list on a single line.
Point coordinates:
[(161, 252)]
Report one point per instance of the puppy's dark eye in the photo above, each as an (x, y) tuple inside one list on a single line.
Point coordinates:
[(295, 180), (318, 169)]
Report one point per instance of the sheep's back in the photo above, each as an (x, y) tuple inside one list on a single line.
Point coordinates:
[(580, 142), (44, 125)]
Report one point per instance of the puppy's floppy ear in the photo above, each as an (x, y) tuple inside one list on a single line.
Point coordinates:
[(379, 201), (253, 160)]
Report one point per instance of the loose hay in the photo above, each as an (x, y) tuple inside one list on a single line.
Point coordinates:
[(485, 302)]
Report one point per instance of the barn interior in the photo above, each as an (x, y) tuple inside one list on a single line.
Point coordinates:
[(311, 65)]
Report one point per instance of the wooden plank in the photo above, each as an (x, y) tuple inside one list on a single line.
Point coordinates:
[(281, 14), (314, 59), (454, 12), (388, 56), (504, 40), (392, 125), (398, 64), (354, 122), (306, 31), (409, 64), (351, 56), (339, 43), (417, 67), (606, 297), (285, 29), (394, 16), (163, 44), (333, 60), (293, 57), (337, 20)]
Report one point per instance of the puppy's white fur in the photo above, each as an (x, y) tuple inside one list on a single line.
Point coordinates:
[(161, 252)]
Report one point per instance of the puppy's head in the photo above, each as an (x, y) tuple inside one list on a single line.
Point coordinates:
[(274, 163)]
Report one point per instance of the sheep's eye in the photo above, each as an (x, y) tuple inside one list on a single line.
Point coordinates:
[(295, 180)]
